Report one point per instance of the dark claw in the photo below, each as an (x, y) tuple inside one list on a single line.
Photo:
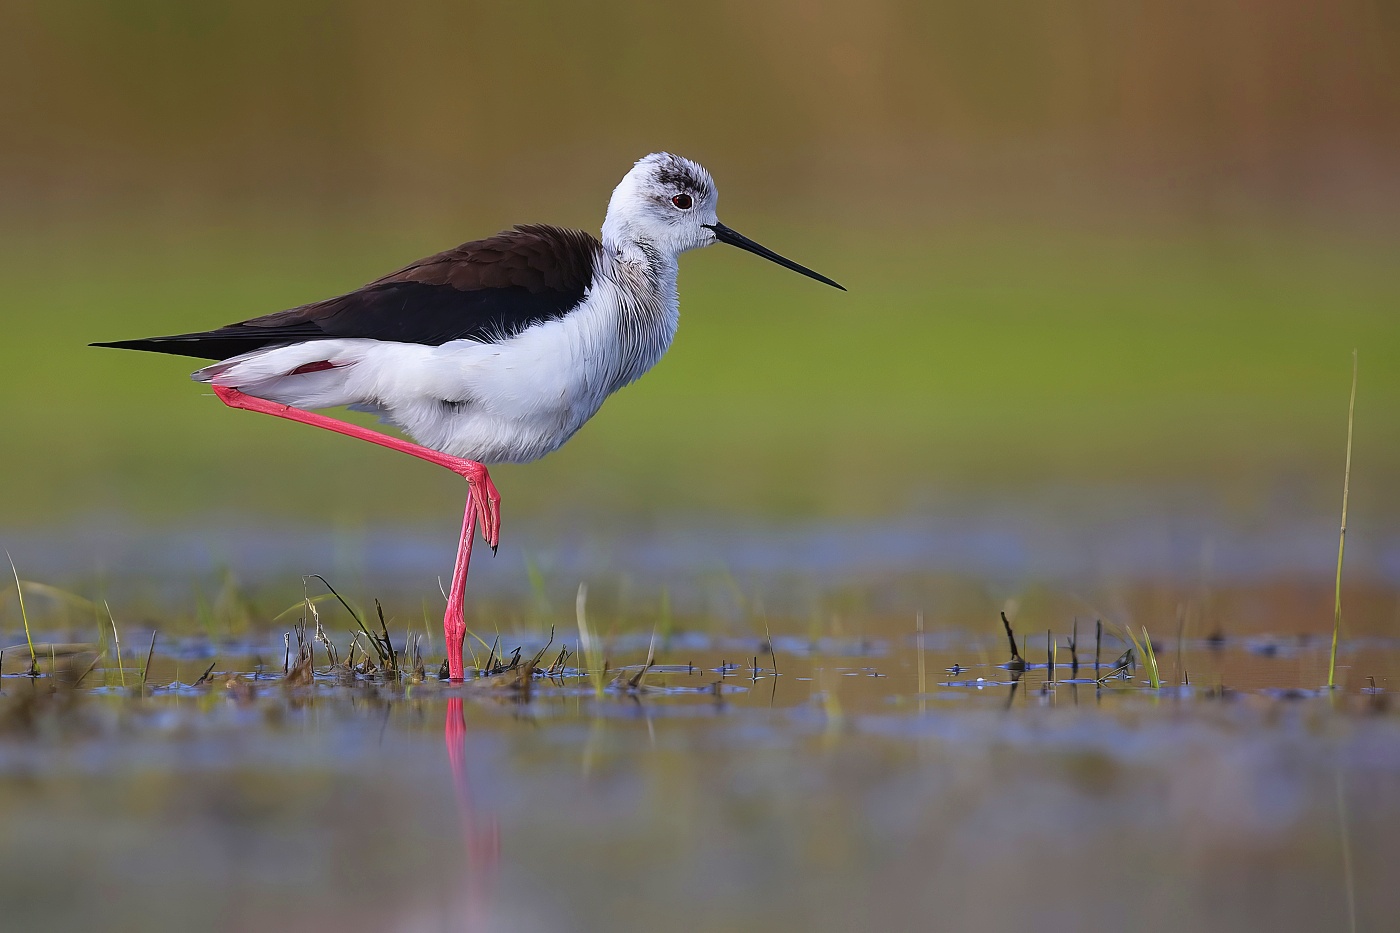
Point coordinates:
[(493, 549)]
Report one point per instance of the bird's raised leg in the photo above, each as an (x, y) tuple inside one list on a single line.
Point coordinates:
[(483, 501)]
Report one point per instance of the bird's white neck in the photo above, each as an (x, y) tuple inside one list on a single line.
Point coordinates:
[(646, 307), (641, 257)]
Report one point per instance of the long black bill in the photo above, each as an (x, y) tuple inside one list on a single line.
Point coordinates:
[(725, 235)]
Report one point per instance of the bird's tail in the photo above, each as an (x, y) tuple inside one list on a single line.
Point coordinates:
[(304, 375)]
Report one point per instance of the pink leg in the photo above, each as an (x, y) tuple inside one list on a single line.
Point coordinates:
[(454, 626), (483, 501)]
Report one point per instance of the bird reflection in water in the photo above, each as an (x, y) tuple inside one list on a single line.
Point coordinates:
[(481, 832)]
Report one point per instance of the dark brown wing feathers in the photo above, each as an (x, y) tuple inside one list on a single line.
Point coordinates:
[(537, 257), (483, 290)]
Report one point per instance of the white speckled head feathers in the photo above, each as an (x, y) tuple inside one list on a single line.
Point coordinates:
[(666, 203)]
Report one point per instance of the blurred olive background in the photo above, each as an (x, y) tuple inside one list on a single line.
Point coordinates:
[(1086, 243)]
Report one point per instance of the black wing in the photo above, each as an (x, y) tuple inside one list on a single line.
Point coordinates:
[(483, 290)]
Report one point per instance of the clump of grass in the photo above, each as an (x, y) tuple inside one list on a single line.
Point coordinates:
[(521, 670), (1149, 658), (519, 685), (413, 648), (1154, 674), (1342, 538), (391, 663), (555, 671), (300, 673), (499, 665), (379, 656)]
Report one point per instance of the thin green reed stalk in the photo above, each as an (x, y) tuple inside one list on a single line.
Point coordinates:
[(23, 614), (594, 661), (1342, 539), (117, 639)]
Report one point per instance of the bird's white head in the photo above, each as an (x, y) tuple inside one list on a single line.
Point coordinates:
[(666, 205), (664, 202)]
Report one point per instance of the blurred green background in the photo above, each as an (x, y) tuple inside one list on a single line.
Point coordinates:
[(1086, 243)]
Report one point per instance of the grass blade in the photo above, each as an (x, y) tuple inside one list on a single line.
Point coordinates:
[(1017, 663), (919, 645), (597, 667), (117, 640), (1154, 677), (23, 614), (1342, 538), (149, 654)]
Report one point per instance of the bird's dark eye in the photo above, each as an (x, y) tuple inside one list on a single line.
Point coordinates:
[(682, 201)]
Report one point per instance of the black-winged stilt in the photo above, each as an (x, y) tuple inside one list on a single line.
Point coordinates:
[(495, 351)]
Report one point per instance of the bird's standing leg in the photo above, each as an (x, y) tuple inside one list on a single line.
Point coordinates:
[(454, 626), (483, 501)]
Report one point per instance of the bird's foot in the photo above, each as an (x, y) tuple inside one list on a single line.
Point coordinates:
[(485, 496)]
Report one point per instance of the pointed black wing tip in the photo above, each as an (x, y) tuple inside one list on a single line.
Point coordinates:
[(152, 344), (172, 346)]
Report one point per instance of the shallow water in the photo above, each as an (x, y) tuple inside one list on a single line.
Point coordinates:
[(1065, 533), (884, 779), (831, 738)]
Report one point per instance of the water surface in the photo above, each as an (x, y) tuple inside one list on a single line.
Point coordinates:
[(882, 779)]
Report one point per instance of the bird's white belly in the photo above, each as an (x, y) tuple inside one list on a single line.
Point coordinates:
[(509, 402), (487, 402)]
